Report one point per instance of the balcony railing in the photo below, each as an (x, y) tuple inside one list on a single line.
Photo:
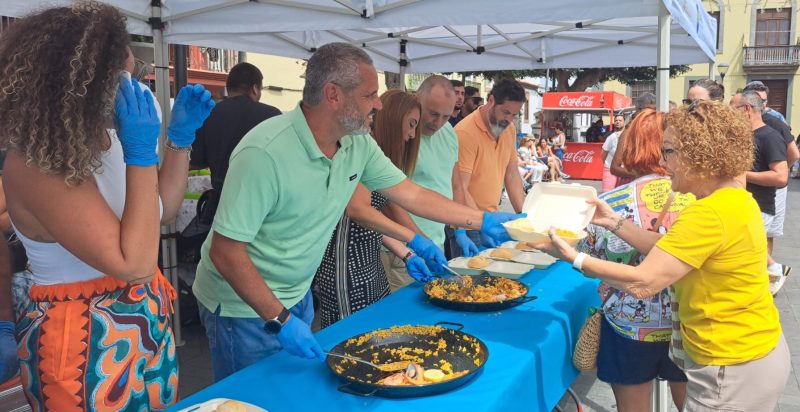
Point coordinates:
[(767, 56)]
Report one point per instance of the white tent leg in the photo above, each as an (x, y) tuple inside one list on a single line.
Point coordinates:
[(662, 65), (660, 396), (169, 250)]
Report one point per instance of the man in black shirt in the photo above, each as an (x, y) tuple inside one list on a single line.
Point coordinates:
[(770, 170), (229, 121)]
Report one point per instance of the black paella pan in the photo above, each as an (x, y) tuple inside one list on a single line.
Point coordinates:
[(482, 279), (433, 346)]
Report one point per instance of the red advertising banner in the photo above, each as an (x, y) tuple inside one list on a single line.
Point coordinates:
[(584, 160), (585, 101)]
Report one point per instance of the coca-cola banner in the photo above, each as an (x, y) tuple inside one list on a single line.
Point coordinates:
[(585, 101), (584, 160)]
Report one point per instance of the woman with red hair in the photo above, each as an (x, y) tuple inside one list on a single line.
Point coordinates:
[(634, 341)]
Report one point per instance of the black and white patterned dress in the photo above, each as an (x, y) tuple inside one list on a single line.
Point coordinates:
[(351, 275)]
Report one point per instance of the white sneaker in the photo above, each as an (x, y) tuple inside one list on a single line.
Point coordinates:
[(776, 282)]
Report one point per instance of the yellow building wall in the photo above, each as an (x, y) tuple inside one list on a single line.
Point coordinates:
[(284, 73), (735, 35)]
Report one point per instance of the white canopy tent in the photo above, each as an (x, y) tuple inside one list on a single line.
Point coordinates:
[(440, 35), (427, 36)]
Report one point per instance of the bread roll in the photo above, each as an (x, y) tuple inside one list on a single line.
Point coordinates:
[(232, 406), (502, 253), (478, 262)]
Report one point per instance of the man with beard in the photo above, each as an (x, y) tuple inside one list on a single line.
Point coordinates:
[(458, 88), (288, 183), (487, 155)]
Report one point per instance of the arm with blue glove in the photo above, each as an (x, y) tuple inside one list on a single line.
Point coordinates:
[(424, 247), (466, 244), (492, 231), (297, 339), (415, 265), (192, 106)]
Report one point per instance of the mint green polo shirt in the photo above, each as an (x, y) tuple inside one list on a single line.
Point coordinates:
[(438, 154), (283, 198)]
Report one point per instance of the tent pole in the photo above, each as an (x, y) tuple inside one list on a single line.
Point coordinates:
[(662, 65), (169, 252), (403, 63), (660, 396)]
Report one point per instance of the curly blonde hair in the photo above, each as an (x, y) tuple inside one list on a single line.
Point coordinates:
[(712, 140), (59, 70)]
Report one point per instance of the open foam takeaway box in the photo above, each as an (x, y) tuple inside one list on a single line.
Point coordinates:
[(559, 205)]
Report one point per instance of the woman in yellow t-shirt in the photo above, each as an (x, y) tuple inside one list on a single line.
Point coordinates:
[(727, 336)]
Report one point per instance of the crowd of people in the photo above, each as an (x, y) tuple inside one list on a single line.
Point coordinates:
[(395, 184)]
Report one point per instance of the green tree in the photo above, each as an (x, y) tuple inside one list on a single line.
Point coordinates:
[(582, 79)]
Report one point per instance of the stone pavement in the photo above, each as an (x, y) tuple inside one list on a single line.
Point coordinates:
[(594, 395)]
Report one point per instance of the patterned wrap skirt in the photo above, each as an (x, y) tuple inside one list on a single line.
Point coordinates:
[(99, 345)]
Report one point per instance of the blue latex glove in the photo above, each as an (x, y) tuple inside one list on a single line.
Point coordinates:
[(138, 125), (487, 241), (9, 363), (297, 339), (492, 230), (434, 257), (191, 108), (418, 270), (466, 244)]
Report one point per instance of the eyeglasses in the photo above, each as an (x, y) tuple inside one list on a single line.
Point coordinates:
[(666, 152)]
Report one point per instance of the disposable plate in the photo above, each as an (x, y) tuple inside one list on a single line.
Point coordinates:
[(213, 404), (511, 270)]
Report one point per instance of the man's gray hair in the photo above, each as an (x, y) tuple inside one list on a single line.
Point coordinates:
[(752, 98), (333, 63), (432, 81), (645, 100)]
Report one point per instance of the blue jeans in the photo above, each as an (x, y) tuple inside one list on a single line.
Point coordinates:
[(560, 153), (237, 343)]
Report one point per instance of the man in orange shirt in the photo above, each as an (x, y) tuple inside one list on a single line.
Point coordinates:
[(487, 155)]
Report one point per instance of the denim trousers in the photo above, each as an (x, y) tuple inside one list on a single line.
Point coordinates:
[(237, 343)]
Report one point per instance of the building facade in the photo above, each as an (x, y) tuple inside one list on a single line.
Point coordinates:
[(756, 40)]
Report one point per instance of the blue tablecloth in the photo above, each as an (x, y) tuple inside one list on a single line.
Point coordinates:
[(529, 365)]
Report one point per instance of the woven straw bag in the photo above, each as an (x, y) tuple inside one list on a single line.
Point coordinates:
[(585, 356)]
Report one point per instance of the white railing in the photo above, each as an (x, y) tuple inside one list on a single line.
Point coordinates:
[(772, 56)]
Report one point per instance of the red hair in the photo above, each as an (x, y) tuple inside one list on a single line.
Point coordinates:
[(641, 144)]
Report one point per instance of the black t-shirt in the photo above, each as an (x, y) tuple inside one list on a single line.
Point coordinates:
[(779, 126), (224, 128), (770, 148)]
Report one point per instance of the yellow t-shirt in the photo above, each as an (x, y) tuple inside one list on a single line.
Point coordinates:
[(726, 311)]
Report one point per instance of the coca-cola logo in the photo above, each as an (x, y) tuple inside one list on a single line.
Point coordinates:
[(581, 156), (580, 101)]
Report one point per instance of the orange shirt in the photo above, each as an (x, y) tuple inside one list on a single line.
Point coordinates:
[(486, 158)]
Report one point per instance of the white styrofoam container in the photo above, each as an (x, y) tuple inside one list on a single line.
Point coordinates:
[(555, 204), (487, 253), (213, 404), (459, 265), (538, 260), (511, 270)]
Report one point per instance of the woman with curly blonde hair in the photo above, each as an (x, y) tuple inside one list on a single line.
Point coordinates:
[(85, 201), (726, 334)]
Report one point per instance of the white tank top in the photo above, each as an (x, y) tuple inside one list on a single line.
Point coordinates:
[(50, 263)]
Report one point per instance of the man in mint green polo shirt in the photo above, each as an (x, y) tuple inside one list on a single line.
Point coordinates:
[(437, 165), (288, 183)]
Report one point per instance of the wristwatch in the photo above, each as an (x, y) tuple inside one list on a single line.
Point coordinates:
[(274, 326)]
